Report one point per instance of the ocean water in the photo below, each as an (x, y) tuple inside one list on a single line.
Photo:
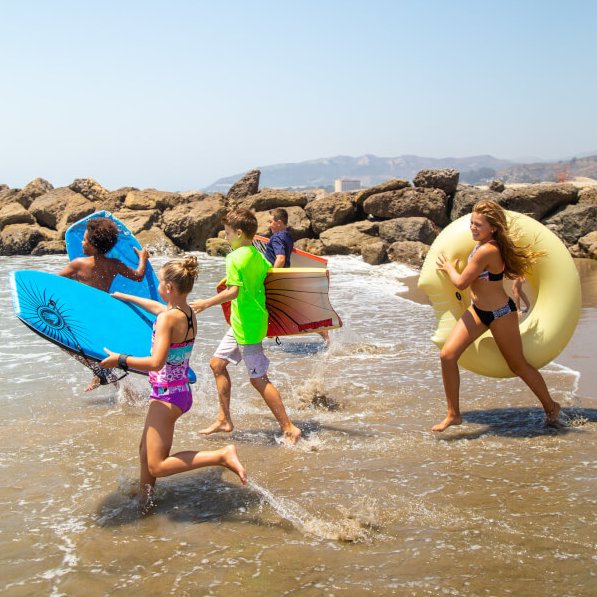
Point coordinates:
[(369, 503)]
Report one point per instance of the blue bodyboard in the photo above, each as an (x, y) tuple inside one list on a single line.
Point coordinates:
[(123, 250)]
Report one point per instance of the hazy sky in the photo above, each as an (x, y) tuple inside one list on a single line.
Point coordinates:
[(174, 94)]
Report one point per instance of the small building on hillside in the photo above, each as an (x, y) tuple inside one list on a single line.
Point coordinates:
[(346, 184)]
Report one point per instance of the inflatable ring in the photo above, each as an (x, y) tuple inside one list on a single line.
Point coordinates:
[(554, 281)]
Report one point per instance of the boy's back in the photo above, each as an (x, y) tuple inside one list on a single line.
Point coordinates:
[(246, 268)]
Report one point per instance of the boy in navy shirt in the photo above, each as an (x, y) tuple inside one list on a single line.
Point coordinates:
[(280, 244)]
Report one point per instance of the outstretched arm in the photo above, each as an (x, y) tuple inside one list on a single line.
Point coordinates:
[(148, 305), (135, 274), (225, 296)]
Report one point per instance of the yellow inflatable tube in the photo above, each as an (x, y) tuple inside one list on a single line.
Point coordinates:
[(554, 282)]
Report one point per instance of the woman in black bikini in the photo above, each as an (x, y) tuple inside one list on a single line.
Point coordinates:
[(496, 255)]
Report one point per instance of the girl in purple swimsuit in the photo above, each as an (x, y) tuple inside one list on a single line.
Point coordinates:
[(496, 255), (168, 366)]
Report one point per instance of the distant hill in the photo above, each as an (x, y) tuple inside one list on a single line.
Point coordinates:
[(550, 171), (369, 169)]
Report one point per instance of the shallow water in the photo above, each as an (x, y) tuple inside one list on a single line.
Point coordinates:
[(371, 502)]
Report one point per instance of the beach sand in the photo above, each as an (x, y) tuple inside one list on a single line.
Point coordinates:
[(582, 348)]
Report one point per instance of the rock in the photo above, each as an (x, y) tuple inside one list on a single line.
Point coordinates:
[(90, 189), (497, 186), (49, 247), (36, 188), (415, 229), (588, 245), (539, 200), (4, 187), (15, 213), (267, 199), (298, 223), (157, 242), (332, 210), (391, 185), (11, 196), (114, 201), (151, 199), (574, 222), (405, 203), (410, 252), (137, 220), (21, 239), (191, 224), (587, 196), (349, 239), (247, 185), (465, 198), (59, 207), (310, 245), (217, 247), (445, 179), (375, 253)]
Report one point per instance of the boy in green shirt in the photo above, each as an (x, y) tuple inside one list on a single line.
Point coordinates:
[(246, 269)]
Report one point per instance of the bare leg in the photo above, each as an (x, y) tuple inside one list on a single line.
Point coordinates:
[(158, 434), (223, 423), (506, 333), (467, 329), (273, 399)]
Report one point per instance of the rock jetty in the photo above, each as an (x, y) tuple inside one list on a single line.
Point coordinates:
[(393, 221)]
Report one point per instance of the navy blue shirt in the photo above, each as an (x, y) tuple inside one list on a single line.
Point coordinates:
[(280, 243)]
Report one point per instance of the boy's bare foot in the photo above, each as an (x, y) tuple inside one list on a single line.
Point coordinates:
[(292, 435), (449, 420), (552, 418), (218, 427), (94, 383), (230, 461)]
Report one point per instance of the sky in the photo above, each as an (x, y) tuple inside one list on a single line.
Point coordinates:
[(175, 94)]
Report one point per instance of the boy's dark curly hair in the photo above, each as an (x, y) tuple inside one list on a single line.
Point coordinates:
[(102, 233)]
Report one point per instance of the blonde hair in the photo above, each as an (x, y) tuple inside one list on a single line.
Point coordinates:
[(182, 273), (518, 259)]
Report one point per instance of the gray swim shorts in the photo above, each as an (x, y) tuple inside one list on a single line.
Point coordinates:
[(256, 362)]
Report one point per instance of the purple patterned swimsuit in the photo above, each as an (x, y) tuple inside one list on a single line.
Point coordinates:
[(171, 382)]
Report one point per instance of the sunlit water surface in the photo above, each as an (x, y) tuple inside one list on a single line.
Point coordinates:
[(370, 502)]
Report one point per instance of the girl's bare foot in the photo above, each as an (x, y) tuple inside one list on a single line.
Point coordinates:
[(218, 427), (230, 461), (449, 420), (94, 383), (552, 418)]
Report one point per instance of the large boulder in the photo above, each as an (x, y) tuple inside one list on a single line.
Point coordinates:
[(406, 203), (415, 229), (310, 245), (445, 179), (151, 199), (157, 242), (137, 220), (90, 189), (588, 245), (49, 247), (247, 185), (409, 252), (574, 222), (21, 239), (587, 196), (335, 209), (190, 225), (11, 196), (59, 208), (267, 199), (466, 197), (217, 247), (539, 200), (375, 253), (390, 185), (36, 188), (15, 213), (349, 239), (298, 223)]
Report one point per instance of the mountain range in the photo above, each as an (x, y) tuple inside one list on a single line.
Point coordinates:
[(371, 170)]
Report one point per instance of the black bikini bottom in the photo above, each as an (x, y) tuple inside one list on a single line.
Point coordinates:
[(487, 317)]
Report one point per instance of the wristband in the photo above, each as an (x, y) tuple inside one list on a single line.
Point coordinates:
[(122, 362)]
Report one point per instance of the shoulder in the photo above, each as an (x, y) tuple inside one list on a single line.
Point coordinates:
[(488, 249)]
